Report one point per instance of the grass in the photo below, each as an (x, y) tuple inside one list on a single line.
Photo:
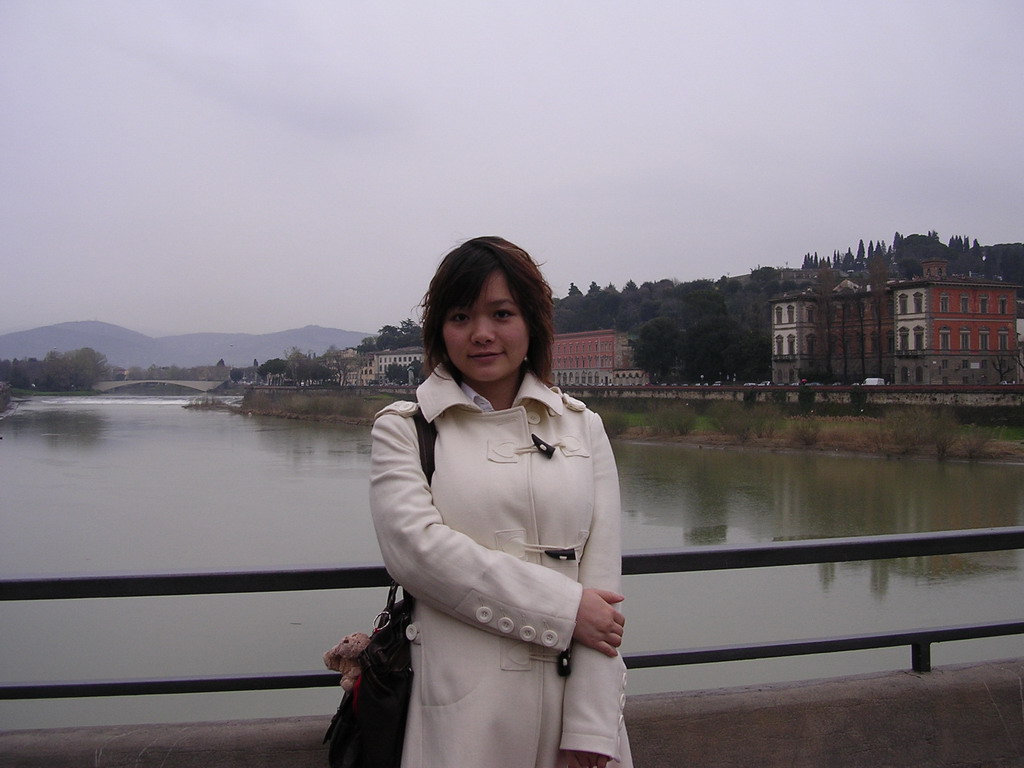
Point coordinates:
[(906, 431), (316, 405)]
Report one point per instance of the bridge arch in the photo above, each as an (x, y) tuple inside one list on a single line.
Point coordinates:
[(157, 387)]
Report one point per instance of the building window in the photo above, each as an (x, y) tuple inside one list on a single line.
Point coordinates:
[(983, 305), (983, 339), (904, 339), (919, 338), (964, 304), (778, 344), (965, 339), (903, 303), (810, 314), (1002, 305), (790, 345), (1004, 340), (905, 375), (918, 303), (944, 303), (789, 314), (810, 345), (778, 315), (944, 339)]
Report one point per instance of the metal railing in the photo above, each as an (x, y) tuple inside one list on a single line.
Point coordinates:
[(634, 563)]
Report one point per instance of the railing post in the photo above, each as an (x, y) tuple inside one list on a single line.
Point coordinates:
[(921, 656)]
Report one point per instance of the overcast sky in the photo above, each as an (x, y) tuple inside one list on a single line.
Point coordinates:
[(213, 165)]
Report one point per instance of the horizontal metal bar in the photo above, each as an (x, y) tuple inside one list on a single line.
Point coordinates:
[(705, 558), (85, 689), (151, 585), (805, 552), (822, 645), (715, 654)]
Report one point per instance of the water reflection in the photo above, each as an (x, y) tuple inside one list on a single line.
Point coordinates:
[(676, 495), (59, 428), (304, 445)]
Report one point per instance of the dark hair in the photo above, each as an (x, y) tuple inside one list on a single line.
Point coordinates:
[(458, 281)]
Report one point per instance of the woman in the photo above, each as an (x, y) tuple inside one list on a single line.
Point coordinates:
[(513, 550)]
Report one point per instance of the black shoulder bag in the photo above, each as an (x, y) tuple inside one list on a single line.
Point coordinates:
[(369, 727)]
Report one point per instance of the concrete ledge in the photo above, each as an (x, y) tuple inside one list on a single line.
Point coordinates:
[(971, 715)]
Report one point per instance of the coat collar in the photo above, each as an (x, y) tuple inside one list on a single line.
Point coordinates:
[(441, 392)]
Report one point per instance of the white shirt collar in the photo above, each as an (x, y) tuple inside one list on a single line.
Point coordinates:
[(479, 400)]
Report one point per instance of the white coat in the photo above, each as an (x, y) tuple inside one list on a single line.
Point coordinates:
[(493, 609)]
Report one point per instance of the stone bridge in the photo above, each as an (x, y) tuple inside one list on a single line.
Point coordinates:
[(156, 386)]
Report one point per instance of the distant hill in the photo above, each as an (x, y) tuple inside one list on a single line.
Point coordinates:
[(126, 348)]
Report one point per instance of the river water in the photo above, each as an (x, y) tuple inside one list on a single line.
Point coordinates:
[(121, 484)]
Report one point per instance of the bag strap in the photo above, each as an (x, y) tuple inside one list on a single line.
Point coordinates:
[(426, 432)]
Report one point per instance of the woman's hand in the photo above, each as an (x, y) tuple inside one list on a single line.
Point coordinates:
[(598, 624), (586, 759)]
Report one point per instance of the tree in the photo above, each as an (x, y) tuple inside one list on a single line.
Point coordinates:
[(340, 363), (658, 349), (398, 374), (407, 334), (87, 367), (273, 371)]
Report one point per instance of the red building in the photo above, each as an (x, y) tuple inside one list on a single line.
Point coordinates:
[(951, 330), (593, 358), (934, 329)]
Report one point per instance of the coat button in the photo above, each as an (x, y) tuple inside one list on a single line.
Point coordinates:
[(533, 417), (549, 638), (484, 614), (506, 625), (412, 632), (527, 633)]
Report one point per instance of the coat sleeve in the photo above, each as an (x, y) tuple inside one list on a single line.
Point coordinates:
[(447, 569), (595, 691)]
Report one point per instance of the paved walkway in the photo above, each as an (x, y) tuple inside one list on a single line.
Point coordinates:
[(962, 716)]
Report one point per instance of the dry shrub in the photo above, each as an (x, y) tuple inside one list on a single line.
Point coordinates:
[(615, 421), (940, 430), (974, 442), (901, 431), (676, 419), (805, 431), (765, 420), (731, 418)]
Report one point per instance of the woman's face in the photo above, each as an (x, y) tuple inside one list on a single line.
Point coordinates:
[(488, 341)]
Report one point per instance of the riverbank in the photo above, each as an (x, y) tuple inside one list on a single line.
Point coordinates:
[(904, 431)]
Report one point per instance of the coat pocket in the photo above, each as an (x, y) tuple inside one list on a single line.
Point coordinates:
[(452, 659)]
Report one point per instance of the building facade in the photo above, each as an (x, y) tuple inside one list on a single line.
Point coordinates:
[(594, 359), (935, 329), (408, 358)]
